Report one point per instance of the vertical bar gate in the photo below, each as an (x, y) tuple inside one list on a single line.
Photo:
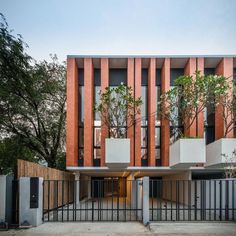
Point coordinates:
[(192, 200), (115, 199)]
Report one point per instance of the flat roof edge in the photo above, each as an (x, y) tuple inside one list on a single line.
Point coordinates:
[(149, 56)]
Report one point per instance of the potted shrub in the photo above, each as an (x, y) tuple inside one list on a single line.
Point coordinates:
[(181, 105), (225, 146), (118, 109)]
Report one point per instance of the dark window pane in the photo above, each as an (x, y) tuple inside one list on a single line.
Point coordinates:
[(81, 77), (209, 71), (97, 77), (81, 136), (117, 76), (144, 137), (81, 105), (158, 153), (144, 153), (81, 153), (144, 104), (174, 74), (158, 115), (158, 77), (144, 81)]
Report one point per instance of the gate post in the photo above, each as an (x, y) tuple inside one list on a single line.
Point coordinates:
[(145, 200), (3, 198), (30, 201), (77, 189)]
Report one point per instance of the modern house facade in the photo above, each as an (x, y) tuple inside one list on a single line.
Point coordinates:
[(150, 137), (152, 152)]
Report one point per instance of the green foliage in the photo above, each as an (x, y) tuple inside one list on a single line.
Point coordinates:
[(32, 98), (117, 109), (12, 149), (229, 166), (190, 95)]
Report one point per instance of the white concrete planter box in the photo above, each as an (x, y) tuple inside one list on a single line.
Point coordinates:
[(215, 150), (117, 152), (187, 152)]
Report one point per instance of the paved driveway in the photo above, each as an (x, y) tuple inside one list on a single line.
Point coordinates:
[(126, 229)]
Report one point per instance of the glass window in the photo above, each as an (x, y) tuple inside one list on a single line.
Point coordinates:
[(97, 153), (81, 105), (158, 136), (158, 115), (144, 141), (144, 105), (144, 154), (97, 101), (81, 136), (117, 76), (158, 153), (97, 136)]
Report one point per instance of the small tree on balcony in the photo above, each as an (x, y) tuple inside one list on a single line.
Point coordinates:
[(118, 109), (225, 98), (190, 95), (229, 166), (182, 104)]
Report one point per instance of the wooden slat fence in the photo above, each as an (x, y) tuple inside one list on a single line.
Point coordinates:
[(55, 180)]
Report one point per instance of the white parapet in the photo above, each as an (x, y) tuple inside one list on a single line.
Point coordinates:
[(117, 152), (219, 152), (187, 152)]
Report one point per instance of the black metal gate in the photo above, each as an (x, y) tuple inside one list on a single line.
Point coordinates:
[(193, 200), (113, 199)]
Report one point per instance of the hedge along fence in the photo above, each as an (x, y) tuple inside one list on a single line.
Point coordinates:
[(58, 186)]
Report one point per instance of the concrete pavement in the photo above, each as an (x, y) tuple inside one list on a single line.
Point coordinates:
[(126, 229)]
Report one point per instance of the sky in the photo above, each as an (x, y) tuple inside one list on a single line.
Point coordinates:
[(123, 27)]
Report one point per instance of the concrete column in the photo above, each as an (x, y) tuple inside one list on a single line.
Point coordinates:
[(72, 113), (190, 69), (88, 111), (225, 68), (165, 125), (137, 94), (145, 200), (152, 108), (77, 189), (104, 84), (3, 198), (89, 183), (130, 131), (32, 215), (131, 189)]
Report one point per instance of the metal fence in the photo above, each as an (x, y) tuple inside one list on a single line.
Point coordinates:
[(115, 199), (193, 200)]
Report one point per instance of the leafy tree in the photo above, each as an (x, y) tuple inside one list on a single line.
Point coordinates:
[(230, 165), (190, 95), (225, 98), (182, 104), (32, 98), (12, 149), (117, 109)]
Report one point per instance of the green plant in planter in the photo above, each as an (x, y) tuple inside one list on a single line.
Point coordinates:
[(229, 166), (183, 103), (225, 98), (118, 109)]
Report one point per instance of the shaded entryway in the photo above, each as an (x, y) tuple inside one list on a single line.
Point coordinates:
[(97, 199)]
